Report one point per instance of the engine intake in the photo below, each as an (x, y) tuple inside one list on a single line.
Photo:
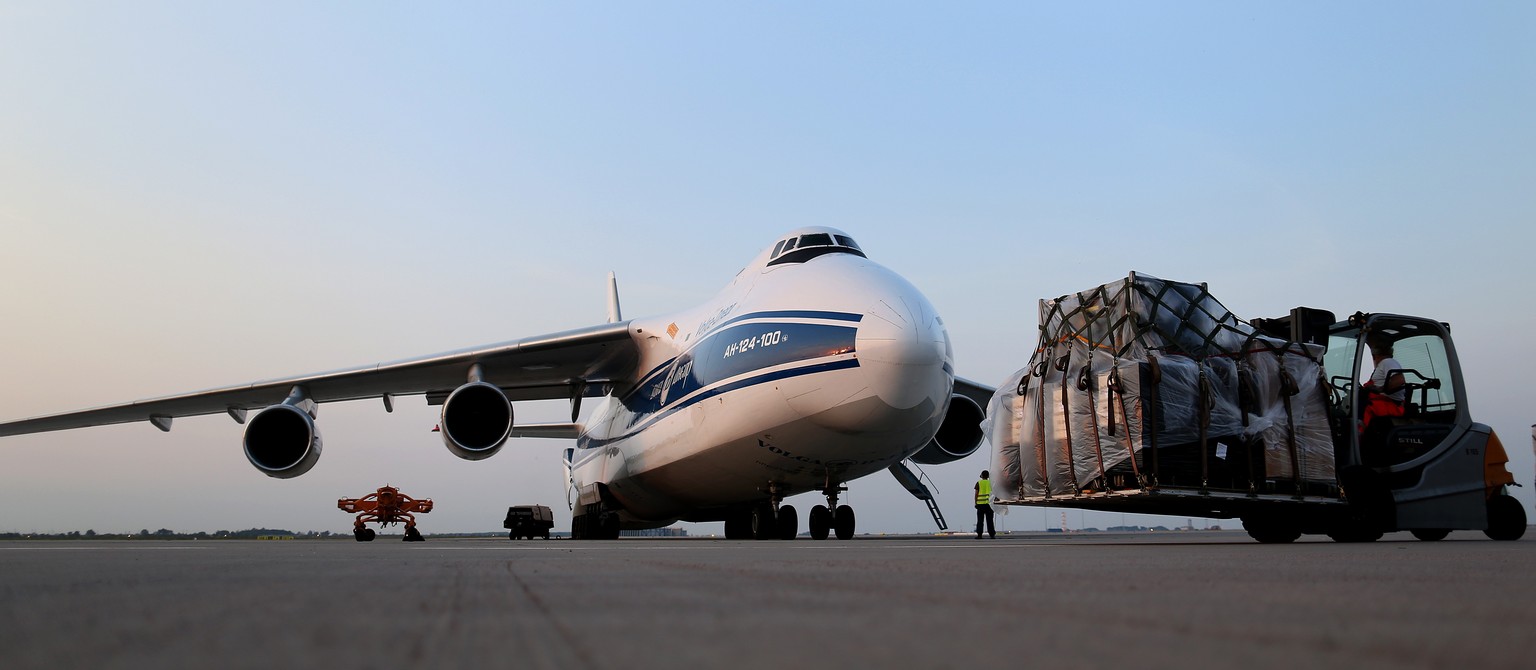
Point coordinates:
[(282, 441), (959, 433), (476, 420)]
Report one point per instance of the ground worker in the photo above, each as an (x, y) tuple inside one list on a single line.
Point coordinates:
[(984, 505)]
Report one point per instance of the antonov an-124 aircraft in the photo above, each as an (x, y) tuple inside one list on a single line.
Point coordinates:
[(814, 367)]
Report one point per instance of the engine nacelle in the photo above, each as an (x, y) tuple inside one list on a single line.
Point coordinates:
[(282, 441), (476, 419), (959, 433)]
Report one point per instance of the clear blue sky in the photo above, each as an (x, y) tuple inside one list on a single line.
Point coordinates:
[(194, 195)]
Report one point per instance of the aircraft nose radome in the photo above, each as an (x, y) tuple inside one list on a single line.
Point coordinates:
[(901, 349)]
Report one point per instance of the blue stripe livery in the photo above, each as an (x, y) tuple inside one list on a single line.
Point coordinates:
[(733, 350)]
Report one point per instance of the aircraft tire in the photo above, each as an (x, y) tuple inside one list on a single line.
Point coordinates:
[(764, 525), (608, 526), (843, 522), (1431, 534), (738, 526), (364, 535), (820, 522), (789, 522), (1506, 518)]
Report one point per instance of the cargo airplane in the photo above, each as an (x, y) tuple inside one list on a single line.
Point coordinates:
[(814, 367)]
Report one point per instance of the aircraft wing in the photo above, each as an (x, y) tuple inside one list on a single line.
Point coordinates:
[(981, 393), (561, 365)]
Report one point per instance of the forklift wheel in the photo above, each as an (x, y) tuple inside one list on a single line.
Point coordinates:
[(1271, 531), (1506, 518)]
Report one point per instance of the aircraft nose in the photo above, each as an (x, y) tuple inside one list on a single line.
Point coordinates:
[(904, 353)]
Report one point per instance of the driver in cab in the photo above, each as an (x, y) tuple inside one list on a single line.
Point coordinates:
[(1384, 392)]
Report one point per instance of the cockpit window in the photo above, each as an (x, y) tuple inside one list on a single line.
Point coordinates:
[(815, 240), (810, 245)]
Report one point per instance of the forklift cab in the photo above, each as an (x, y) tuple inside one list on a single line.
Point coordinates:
[(1430, 469), (1431, 407)]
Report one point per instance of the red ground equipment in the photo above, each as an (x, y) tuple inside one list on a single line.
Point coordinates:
[(385, 506)]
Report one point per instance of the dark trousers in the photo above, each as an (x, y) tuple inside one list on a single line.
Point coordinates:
[(984, 511)]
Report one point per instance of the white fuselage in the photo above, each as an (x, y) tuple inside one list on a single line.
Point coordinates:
[(795, 377)]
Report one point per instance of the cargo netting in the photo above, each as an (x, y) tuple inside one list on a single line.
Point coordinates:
[(1145, 383)]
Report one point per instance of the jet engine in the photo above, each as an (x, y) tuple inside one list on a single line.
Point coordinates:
[(476, 419), (283, 441), (959, 433)]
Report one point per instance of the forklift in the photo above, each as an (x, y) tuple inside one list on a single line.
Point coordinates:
[(1429, 471), (1147, 396)]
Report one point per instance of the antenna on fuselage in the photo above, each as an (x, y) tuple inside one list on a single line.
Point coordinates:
[(614, 315)]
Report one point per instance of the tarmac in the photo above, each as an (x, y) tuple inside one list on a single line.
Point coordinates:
[(1060, 601)]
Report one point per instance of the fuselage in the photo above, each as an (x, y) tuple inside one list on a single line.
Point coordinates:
[(813, 367)]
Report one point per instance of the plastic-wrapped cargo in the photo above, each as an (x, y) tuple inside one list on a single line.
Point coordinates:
[(1145, 382)]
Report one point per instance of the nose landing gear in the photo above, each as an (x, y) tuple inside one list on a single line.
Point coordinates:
[(770, 520), (833, 517)]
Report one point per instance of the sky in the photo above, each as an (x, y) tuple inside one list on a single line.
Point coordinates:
[(194, 195)]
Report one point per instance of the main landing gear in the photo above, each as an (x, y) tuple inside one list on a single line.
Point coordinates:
[(596, 524), (768, 520), (596, 515)]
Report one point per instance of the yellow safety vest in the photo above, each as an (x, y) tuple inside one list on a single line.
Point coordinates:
[(983, 492)]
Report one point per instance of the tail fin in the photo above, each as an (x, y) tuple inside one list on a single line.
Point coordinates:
[(614, 315)]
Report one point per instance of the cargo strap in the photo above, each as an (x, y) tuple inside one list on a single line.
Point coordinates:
[(1207, 400), (1154, 411), (1066, 415), (1085, 384), (1045, 478), (1116, 395), (1288, 388)]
